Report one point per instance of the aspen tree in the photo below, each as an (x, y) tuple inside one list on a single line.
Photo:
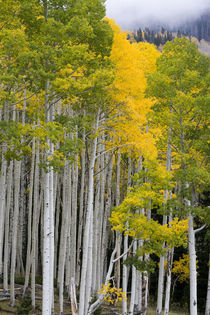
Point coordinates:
[(182, 74), (30, 205), (207, 310), (7, 226), (17, 170), (84, 298), (81, 207), (34, 225)]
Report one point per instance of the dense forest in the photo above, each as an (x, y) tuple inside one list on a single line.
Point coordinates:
[(103, 170), (199, 28)]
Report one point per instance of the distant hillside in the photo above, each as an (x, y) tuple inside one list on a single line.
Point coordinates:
[(197, 31), (199, 28)]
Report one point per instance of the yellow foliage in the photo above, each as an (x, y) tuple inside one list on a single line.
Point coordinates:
[(112, 294), (128, 121), (182, 268)]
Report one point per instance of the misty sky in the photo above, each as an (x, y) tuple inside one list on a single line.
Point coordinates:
[(131, 14)]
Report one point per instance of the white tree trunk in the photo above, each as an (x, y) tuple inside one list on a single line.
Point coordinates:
[(17, 168), (93, 307), (2, 206), (97, 218), (74, 215), (118, 235), (7, 225), (81, 210), (133, 284), (48, 237), (89, 267), (34, 227), (207, 311), (74, 307), (106, 215), (161, 278), (169, 269), (85, 257), (168, 282), (64, 230), (125, 268), (30, 205), (193, 272)]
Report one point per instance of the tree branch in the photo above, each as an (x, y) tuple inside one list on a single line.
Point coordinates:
[(121, 256), (200, 229)]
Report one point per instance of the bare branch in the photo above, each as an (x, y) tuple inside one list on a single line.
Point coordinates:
[(127, 251), (200, 229)]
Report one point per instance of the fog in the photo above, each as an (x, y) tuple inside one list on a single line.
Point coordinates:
[(132, 14)]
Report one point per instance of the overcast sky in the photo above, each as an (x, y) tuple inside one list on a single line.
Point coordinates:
[(131, 14)]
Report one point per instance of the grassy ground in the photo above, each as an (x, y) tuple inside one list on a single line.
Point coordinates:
[(23, 306)]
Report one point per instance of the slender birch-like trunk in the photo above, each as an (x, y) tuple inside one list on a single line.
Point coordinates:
[(17, 168), (161, 275), (74, 216), (7, 225), (118, 234), (168, 282), (2, 207), (85, 257), (34, 227), (93, 307), (102, 215), (207, 310), (64, 230), (3, 197), (107, 211), (17, 171), (169, 269), (162, 258), (48, 230), (125, 268), (89, 267), (57, 222), (74, 306), (81, 209), (22, 223), (28, 253), (133, 283), (193, 271), (96, 224), (145, 296)]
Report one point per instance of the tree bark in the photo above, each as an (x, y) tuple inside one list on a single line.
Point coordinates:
[(207, 311), (83, 285)]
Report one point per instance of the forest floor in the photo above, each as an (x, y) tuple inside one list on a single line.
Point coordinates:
[(23, 307)]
